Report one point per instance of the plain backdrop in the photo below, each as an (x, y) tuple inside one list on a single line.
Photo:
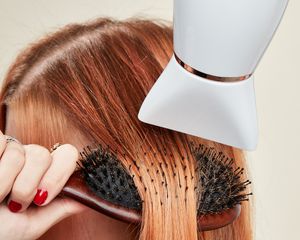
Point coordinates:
[(275, 164)]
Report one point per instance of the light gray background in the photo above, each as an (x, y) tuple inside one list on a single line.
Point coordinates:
[(275, 164)]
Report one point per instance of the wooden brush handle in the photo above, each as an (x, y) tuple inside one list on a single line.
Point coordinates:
[(77, 189)]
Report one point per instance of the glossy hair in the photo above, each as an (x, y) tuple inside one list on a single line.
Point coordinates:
[(93, 77)]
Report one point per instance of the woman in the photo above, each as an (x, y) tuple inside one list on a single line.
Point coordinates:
[(83, 84)]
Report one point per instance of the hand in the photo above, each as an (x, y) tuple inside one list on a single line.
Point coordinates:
[(30, 179)]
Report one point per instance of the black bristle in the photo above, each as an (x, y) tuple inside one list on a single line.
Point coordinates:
[(221, 187), (108, 179), (219, 182)]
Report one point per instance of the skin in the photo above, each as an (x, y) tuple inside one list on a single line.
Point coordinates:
[(26, 168)]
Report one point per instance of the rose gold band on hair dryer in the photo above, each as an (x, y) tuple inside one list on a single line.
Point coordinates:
[(208, 76)]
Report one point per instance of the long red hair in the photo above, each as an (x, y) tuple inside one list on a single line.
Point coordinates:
[(93, 77)]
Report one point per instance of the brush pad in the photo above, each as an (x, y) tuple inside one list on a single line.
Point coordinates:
[(220, 184)]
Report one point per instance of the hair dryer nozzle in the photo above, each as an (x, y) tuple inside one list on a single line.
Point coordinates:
[(218, 111)]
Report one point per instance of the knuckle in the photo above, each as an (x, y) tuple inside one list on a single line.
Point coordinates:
[(14, 152), (24, 192), (38, 153), (70, 149), (51, 181), (72, 153), (15, 156)]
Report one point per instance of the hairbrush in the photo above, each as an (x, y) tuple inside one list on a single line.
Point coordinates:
[(103, 184)]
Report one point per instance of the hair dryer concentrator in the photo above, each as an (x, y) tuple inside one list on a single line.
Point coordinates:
[(207, 88)]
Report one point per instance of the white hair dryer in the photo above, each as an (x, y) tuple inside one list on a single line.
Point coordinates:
[(207, 88)]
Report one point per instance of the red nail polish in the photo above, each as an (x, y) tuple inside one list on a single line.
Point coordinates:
[(14, 206), (40, 196)]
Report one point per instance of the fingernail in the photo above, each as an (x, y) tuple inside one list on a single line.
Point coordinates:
[(14, 206), (40, 196)]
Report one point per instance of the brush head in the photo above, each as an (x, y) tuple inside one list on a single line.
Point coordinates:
[(220, 186)]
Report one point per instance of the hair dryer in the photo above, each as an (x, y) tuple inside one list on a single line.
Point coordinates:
[(207, 88)]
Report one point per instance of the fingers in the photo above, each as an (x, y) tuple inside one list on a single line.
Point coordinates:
[(37, 161), (26, 170), (11, 164), (63, 164), (30, 173)]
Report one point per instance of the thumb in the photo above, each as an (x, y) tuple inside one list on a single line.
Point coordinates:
[(44, 217)]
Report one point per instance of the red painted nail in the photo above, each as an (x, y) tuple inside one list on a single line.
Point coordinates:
[(40, 196), (14, 206)]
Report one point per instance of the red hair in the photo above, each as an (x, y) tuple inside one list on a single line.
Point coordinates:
[(93, 77)]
